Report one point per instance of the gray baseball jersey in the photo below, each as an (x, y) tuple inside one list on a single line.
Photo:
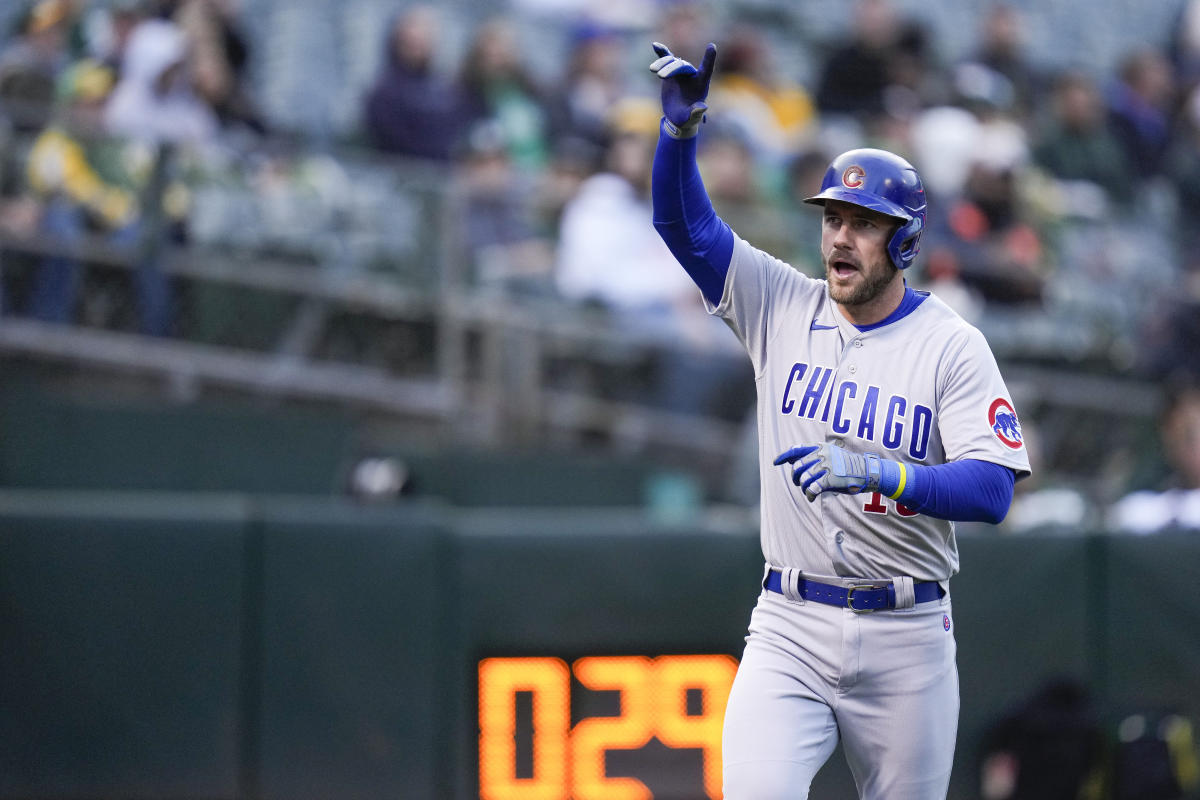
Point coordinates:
[(923, 389)]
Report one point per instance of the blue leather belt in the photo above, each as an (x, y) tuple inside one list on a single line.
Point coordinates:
[(859, 599)]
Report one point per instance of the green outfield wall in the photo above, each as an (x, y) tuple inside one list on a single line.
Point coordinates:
[(227, 646)]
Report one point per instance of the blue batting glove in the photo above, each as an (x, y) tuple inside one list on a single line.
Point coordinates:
[(829, 467), (684, 89)]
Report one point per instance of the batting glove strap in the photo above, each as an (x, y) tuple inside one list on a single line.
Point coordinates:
[(849, 472), (675, 132), (874, 472)]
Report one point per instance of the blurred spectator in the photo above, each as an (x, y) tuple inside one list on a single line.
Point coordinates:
[(913, 80), (85, 183), (983, 237), (31, 64), (154, 100), (571, 162), (219, 57), (943, 141), (1169, 337), (109, 29), (609, 256), (942, 274), (974, 155), (804, 174), (1183, 46), (1175, 502), (498, 233), (881, 67), (596, 64), (686, 24), (1155, 756), (773, 115), (412, 110), (1183, 173), (1140, 110), (1180, 428), (1171, 340), (727, 163), (496, 86), (608, 250), (1050, 747), (1001, 49), (1076, 146), (977, 123), (855, 74)]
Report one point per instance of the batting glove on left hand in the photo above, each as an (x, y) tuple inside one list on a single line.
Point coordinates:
[(684, 89), (829, 467)]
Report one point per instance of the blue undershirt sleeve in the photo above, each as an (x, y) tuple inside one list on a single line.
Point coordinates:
[(969, 490), (684, 216)]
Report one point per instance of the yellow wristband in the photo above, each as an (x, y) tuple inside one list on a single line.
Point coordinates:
[(903, 478)]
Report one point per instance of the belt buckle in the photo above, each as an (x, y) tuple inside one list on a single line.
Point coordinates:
[(850, 599)]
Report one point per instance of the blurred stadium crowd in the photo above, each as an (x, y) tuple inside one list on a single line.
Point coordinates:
[(363, 182)]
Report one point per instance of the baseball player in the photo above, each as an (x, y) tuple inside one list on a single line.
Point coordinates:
[(882, 417)]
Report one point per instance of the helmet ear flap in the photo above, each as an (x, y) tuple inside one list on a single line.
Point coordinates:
[(906, 243)]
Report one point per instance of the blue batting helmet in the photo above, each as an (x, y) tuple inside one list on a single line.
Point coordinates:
[(883, 182)]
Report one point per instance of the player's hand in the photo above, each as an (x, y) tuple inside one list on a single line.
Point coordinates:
[(684, 89), (829, 467)]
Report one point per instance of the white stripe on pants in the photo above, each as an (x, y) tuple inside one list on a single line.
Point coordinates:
[(886, 682)]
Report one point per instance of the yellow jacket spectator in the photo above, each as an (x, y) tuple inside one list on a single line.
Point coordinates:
[(88, 180), (776, 117), (72, 160)]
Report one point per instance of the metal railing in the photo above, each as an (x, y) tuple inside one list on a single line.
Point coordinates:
[(427, 345)]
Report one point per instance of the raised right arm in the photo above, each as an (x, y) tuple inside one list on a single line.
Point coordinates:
[(683, 214)]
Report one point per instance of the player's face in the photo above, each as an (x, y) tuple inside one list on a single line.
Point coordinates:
[(854, 250)]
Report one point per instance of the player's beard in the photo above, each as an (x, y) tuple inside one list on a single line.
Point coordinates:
[(874, 281)]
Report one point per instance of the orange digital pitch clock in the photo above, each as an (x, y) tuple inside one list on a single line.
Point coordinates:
[(615, 727)]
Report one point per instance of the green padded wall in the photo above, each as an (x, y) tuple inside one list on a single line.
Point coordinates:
[(175, 645)]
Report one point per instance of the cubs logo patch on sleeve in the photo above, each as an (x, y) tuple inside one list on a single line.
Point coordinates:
[(1003, 419)]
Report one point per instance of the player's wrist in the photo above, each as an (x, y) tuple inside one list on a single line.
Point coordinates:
[(687, 131), (893, 478)]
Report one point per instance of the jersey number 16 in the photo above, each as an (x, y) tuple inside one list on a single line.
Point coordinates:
[(876, 505)]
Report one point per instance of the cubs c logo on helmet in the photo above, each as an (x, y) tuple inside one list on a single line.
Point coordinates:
[(852, 178), (1003, 419)]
